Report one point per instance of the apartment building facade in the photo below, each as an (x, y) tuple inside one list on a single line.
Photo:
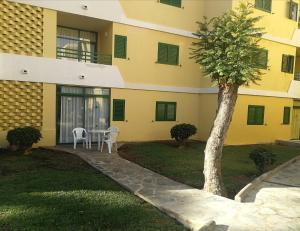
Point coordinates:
[(95, 64)]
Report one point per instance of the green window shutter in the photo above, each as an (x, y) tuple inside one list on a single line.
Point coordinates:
[(284, 63), (251, 115), (255, 115), (173, 52), (165, 111), (259, 4), (268, 5), (291, 64), (261, 59), (160, 111), (118, 110), (176, 3), (286, 115), (293, 10), (171, 112), (162, 56), (265, 5), (259, 115), (168, 54), (120, 46), (287, 64)]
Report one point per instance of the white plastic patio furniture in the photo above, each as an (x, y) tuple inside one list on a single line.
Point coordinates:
[(80, 134), (100, 134), (111, 139)]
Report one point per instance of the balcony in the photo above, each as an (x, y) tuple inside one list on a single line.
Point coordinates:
[(83, 39), (83, 56)]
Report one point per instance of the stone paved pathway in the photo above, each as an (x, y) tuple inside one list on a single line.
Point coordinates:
[(275, 208)]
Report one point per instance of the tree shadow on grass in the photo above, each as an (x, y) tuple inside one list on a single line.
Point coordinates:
[(80, 210)]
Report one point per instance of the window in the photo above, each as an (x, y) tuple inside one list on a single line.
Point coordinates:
[(120, 46), (286, 115), (118, 110), (76, 44), (256, 115), (261, 59), (287, 64), (168, 54), (176, 3), (265, 5), (165, 111), (293, 10)]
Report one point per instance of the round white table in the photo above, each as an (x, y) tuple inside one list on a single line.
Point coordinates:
[(99, 133)]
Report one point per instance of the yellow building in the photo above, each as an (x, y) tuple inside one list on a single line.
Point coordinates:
[(94, 64)]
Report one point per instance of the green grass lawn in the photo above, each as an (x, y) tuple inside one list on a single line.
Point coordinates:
[(57, 191), (186, 165)]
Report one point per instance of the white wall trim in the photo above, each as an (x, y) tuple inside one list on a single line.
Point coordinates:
[(208, 90), (57, 71), (48, 70), (285, 41), (112, 10), (151, 87)]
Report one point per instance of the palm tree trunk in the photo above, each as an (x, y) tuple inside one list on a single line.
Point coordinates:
[(213, 151)]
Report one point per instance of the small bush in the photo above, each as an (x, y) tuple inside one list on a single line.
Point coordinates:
[(263, 159), (181, 132), (23, 138)]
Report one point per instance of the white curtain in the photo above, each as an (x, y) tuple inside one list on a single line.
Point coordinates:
[(76, 111), (71, 116)]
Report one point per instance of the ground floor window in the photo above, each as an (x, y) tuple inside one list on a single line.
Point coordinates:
[(286, 115), (165, 111), (256, 115), (81, 107)]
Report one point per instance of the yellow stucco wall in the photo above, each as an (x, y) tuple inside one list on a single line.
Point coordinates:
[(142, 67), (49, 94), (105, 40), (155, 12), (273, 79), (49, 33), (241, 133), (140, 114), (275, 23), (49, 115)]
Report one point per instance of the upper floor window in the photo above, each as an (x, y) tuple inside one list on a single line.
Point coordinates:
[(76, 44), (287, 64), (261, 59), (120, 46), (176, 3), (168, 54), (293, 10), (265, 5)]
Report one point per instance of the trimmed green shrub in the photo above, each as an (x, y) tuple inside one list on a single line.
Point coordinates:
[(263, 159), (23, 138), (181, 132)]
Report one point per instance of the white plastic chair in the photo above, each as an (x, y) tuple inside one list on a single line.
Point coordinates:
[(111, 139), (80, 134)]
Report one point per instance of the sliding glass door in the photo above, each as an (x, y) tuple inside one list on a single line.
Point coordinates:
[(81, 107)]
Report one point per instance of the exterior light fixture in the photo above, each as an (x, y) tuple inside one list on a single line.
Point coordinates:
[(24, 71)]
